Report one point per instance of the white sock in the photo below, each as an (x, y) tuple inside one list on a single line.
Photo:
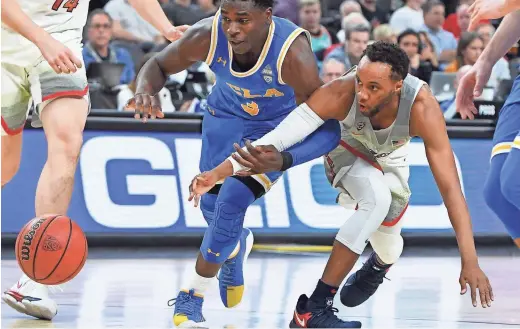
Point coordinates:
[(199, 283)]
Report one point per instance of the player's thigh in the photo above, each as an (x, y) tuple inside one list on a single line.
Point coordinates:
[(15, 100), (61, 107), (507, 128)]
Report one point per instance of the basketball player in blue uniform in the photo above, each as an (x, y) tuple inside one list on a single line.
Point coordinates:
[(502, 187), (264, 68)]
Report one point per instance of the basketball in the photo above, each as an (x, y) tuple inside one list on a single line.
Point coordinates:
[(51, 249)]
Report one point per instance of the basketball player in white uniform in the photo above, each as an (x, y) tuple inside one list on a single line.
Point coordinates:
[(380, 108), (42, 66)]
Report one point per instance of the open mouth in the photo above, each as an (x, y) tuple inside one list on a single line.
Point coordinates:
[(235, 42)]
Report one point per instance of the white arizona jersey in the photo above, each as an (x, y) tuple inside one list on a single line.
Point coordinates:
[(63, 19)]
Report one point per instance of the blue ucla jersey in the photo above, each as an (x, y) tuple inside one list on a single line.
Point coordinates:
[(246, 105), (507, 130)]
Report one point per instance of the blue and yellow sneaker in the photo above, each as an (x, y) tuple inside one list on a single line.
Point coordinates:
[(231, 275), (188, 310)]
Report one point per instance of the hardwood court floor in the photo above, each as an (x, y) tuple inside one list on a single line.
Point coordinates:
[(130, 289)]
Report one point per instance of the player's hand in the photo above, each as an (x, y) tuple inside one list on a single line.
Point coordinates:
[(471, 86), (175, 32), (489, 9), (144, 106), (59, 57), (200, 185), (472, 274), (259, 160)]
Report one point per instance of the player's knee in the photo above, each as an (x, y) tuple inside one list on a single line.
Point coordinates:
[(388, 246), (65, 143), (223, 232)]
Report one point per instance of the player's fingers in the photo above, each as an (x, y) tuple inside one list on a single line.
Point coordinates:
[(138, 106), (473, 287), (462, 283), (251, 149), (482, 293), (74, 59), (490, 290), (156, 108), (245, 173), (68, 63), (242, 161), (196, 202), (245, 155), (147, 107), (53, 64)]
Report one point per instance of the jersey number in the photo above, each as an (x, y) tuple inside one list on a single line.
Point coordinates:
[(70, 5)]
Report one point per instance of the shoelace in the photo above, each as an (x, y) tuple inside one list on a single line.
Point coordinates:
[(327, 316), (368, 279), (187, 304), (228, 272)]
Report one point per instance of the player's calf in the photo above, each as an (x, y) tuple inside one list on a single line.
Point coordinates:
[(11, 155)]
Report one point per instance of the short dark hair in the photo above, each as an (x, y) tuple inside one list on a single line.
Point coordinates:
[(408, 32), (391, 54), (98, 11), (258, 3), (356, 28), (430, 4)]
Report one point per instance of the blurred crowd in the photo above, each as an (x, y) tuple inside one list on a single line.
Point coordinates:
[(433, 34)]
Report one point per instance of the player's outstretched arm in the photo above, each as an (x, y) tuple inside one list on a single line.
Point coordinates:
[(192, 47), (428, 123), (473, 82), (490, 9), (59, 57), (152, 12)]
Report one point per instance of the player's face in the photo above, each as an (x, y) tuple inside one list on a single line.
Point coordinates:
[(244, 24), (375, 87)]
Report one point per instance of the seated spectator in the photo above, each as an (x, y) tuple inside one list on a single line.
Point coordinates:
[(310, 17), (98, 48), (448, 106), (444, 42), (427, 51), (410, 16), (372, 13), (410, 42), (452, 23), (384, 32), (332, 69), (183, 12), (288, 9), (468, 51), (130, 27), (128, 91), (208, 7), (351, 51), (349, 22)]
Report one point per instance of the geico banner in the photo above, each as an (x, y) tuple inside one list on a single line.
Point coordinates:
[(138, 182)]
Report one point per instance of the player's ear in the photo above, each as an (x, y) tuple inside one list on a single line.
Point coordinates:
[(269, 15), (398, 86)]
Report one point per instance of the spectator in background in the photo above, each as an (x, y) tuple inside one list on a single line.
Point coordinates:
[(130, 27), (410, 16), (288, 9), (371, 12), (98, 49), (183, 12), (448, 106), (468, 51), (351, 51), (349, 22), (310, 17), (332, 69), (384, 32), (444, 42), (127, 91), (208, 7), (349, 6), (427, 51), (410, 42), (461, 23)]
